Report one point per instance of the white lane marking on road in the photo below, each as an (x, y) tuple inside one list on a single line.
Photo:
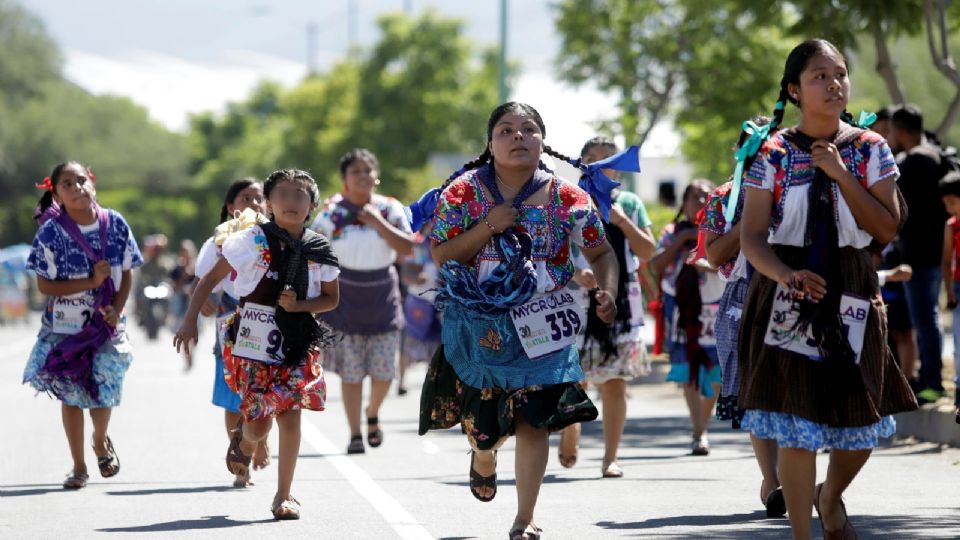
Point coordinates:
[(392, 511), (430, 447)]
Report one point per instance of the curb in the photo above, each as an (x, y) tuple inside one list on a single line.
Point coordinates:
[(933, 422)]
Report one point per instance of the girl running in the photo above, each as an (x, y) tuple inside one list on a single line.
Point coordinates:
[(508, 365), (816, 370), (285, 274), (368, 232), (83, 255), (613, 355), (691, 294), (242, 194)]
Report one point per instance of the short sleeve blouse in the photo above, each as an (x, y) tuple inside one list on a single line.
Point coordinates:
[(787, 171), (358, 246), (249, 255), (568, 217)]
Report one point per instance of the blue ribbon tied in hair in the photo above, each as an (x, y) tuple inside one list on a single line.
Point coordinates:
[(756, 136), (599, 185)]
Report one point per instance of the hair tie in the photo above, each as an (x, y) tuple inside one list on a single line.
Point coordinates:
[(93, 177), (46, 185)]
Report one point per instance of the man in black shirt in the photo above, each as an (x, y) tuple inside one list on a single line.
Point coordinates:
[(921, 241)]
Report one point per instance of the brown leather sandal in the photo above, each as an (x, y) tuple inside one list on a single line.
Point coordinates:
[(76, 481), (286, 510), (846, 532), (235, 457), (109, 464)]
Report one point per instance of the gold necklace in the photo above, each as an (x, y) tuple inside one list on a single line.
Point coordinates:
[(504, 184)]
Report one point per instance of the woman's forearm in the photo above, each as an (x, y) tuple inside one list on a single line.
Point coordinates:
[(51, 287), (399, 241), (123, 292), (603, 262), (722, 248), (463, 247)]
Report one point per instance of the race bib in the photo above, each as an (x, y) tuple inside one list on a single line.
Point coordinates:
[(70, 315), (636, 303), (708, 326), (548, 323), (783, 316), (258, 337)]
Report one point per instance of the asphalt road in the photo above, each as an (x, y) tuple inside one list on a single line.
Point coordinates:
[(173, 482)]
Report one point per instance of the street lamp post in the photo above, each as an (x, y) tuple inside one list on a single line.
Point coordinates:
[(503, 51)]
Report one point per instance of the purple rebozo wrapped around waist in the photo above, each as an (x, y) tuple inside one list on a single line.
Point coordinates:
[(369, 302)]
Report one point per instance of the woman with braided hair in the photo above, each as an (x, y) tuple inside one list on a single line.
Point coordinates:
[(816, 371), (508, 363)]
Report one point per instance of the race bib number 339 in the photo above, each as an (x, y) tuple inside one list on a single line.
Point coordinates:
[(548, 323), (258, 337)]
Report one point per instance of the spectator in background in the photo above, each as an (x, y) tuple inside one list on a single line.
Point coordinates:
[(921, 242), (901, 336)]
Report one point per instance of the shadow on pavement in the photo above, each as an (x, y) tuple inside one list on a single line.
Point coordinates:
[(867, 526), (38, 489), (206, 522), (175, 491)]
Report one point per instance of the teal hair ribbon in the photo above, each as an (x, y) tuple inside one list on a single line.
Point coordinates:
[(756, 136), (866, 119)]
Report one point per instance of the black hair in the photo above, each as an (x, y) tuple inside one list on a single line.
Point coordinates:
[(605, 142), (46, 200), (797, 61), (495, 116), (235, 188), (292, 175), (908, 118), (702, 183), (358, 154), (949, 184), (885, 113)]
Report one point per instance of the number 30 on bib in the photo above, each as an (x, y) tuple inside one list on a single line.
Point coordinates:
[(548, 323), (258, 337)]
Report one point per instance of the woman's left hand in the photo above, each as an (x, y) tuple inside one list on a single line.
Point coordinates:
[(370, 215), (110, 315), (288, 301), (826, 157), (606, 306)]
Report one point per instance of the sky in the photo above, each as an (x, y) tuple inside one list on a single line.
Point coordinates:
[(177, 57)]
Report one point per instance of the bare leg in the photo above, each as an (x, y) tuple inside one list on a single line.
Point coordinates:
[(73, 427), (765, 450), (254, 431), (378, 392), (843, 468), (614, 396), (352, 402), (289, 425), (798, 473), (693, 398), (706, 408), (533, 447), (230, 420)]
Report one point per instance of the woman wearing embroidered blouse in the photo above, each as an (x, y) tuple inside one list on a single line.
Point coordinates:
[(368, 232), (815, 367), (508, 364)]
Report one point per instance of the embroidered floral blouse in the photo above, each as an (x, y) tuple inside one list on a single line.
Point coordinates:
[(569, 217), (715, 222), (788, 171)]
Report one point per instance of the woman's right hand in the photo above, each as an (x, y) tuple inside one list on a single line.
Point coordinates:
[(186, 335), (804, 285), (101, 271), (502, 217)]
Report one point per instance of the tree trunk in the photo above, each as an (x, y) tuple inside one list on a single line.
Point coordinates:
[(942, 59), (656, 112), (885, 65)]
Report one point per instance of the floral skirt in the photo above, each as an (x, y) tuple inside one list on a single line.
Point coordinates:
[(109, 370), (791, 431), (629, 363), (488, 416), (729, 315), (268, 390)]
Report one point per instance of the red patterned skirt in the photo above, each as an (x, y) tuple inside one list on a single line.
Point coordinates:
[(268, 390)]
